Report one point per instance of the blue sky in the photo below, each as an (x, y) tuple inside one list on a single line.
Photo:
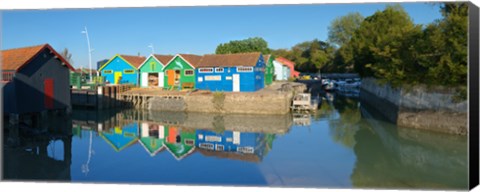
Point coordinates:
[(195, 30)]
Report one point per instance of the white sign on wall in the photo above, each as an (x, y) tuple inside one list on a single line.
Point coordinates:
[(213, 78), (200, 79), (228, 77)]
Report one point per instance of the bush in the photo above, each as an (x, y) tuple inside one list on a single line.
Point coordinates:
[(218, 100)]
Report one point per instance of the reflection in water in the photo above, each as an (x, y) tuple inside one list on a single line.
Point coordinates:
[(388, 156), (345, 146), (157, 131), (38, 155)]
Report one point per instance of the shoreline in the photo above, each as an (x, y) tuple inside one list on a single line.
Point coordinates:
[(418, 108)]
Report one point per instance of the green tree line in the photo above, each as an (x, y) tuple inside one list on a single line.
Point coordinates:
[(387, 45)]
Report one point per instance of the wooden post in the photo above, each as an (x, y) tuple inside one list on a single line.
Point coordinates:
[(99, 97), (115, 91)]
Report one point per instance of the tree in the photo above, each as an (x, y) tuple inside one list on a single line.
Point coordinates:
[(255, 44), (443, 49), (342, 29), (67, 55), (309, 56), (383, 46)]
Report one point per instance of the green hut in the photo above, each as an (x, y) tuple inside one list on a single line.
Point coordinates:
[(180, 141), (152, 138), (180, 71), (269, 69), (151, 70)]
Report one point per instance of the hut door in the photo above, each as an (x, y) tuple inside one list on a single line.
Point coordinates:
[(144, 80), (48, 93), (160, 79), (236, 82), (171, 77), (118, 77)]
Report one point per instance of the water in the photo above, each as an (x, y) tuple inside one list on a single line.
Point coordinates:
[(344, 145)]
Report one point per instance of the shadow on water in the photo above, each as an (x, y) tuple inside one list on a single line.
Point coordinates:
[(388, 156), (35, 154)]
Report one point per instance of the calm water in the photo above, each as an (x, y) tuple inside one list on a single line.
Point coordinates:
[(341, 146)]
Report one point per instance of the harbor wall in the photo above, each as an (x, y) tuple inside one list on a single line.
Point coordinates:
[(417, 107), (238, 103), (276, 99)]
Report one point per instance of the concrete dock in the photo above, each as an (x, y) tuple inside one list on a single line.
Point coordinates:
[(274, 99)]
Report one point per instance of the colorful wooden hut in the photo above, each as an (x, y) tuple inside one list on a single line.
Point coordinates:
[(269, 69), (282, 72), (34, 79), (290, 65), (241, 72), (121, 137), (151, 70), (122, 69), (180, 141), (152, 137), (180, 71), (233, 144)]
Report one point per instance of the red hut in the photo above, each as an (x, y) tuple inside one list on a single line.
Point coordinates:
[(290, 65)]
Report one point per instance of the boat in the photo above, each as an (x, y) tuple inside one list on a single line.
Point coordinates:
[(328, 85)]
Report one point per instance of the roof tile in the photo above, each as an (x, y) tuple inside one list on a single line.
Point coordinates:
[(164, 58), (230, 60), (192, 59), (14, 59), (136, 61)]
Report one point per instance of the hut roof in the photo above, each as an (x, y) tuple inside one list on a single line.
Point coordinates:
[(191, 58), (230, 60), (164, 58), (136, 61), (289, 64), (266, 57), (15, 59)]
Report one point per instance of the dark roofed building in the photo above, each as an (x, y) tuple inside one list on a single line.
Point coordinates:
[(35, 79)]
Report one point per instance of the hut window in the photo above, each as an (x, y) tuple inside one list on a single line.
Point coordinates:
[(213, 138), (220, 147), (205, 70), (7, 76), (129, 71), (244, 69), (245, 149), (219, 70), (189, 142), (206, 146), (107, 71), (188, 72), (152, 65)]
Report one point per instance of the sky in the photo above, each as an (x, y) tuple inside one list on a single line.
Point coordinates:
[(172, 30)]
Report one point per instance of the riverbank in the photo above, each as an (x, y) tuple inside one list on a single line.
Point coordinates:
[(274, 99), (417, 107)]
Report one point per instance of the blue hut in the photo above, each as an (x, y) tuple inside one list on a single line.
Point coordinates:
[(122, 69), (241, 72), (232, 141), (121, 137), (242, 146)]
